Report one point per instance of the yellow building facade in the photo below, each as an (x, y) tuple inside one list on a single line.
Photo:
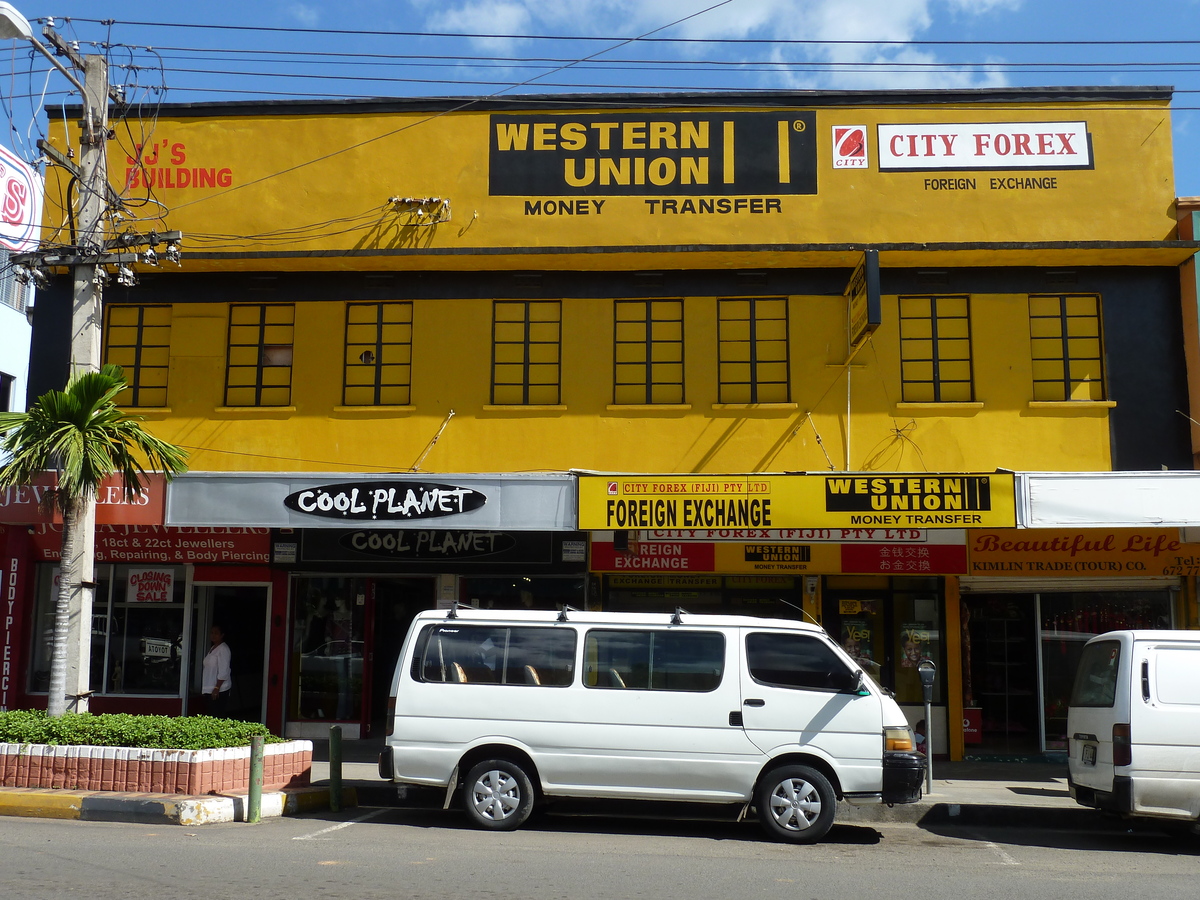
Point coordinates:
[(657, 285)]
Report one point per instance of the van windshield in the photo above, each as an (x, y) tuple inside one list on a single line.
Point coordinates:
[(1096, 677)]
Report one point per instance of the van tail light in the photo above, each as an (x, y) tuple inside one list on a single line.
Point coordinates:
[(391, 716), (1122, 746), (898, 739)]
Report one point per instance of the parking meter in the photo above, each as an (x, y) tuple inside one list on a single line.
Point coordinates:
[(927, 671)]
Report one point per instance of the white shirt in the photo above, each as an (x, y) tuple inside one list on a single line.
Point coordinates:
[(216, 668)]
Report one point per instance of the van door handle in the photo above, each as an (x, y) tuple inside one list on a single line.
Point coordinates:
[(754, 702)]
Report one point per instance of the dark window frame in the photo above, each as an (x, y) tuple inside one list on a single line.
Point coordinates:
[(756, 384), (831, 685), (1065, 357), (648, 383), (471, 673), (609, 678), (377, 364), (526, 344), (262, 349), (133, 396), (937, 382)]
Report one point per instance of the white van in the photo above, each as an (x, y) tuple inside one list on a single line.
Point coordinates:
[(508, 709), (1134, 725)]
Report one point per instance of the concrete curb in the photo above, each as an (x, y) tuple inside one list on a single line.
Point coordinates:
[(161, 809)]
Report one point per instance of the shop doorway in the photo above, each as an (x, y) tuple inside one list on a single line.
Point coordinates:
[(242, 611), (1000, 667), (397, 601)]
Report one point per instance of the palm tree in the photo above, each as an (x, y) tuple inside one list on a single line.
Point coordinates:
[(83, 436)]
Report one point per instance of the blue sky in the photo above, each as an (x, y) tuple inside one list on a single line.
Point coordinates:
[(202, 64)]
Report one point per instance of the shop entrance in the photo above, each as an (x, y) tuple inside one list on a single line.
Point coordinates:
[(1000, 672), (241, 610), (397, 601), (346, 636)]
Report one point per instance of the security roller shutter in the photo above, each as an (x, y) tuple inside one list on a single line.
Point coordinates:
[(969, 584)]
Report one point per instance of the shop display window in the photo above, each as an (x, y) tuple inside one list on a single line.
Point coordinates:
[(327, 648), (521, 592), (137, 629)]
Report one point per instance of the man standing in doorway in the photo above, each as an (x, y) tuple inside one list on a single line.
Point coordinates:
[(216, 681)]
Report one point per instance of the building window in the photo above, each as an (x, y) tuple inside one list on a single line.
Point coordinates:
[(378, 366), (752, 351), (935, 350), (260, 354), (6, 390), (526, 352), (648, 351), (12, 292), (138, 339), (1065, 340)]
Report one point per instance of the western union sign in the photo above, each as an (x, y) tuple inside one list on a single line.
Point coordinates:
[(653, 153), (852, 500)]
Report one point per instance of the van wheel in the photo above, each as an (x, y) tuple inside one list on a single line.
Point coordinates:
[(796, 804), (498, 795)]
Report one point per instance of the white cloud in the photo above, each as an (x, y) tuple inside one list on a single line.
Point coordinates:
[(876, 21), (307, 15)]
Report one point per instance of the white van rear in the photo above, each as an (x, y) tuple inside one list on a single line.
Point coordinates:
[(1134, 725), (507, 709)]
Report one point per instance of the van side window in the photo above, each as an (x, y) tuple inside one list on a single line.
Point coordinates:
[(796, 661), (489, 654), (1096, 677), (654, 660)]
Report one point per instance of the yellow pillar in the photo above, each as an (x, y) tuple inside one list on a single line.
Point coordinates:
[(953, 676)]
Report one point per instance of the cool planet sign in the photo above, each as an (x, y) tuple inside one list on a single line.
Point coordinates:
[(385, 500)]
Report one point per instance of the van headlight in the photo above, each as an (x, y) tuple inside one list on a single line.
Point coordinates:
[(898, 739)]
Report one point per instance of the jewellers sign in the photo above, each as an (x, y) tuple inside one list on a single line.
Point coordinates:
[(385, 500), (987, 145)]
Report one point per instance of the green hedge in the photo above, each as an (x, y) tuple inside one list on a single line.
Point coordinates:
[(124, 730)]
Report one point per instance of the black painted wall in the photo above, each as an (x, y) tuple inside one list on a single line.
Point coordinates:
[(1143, 328)]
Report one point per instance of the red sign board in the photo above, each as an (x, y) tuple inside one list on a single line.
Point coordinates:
[(23, 505), (905, 559), (654, 557), (159, 544)]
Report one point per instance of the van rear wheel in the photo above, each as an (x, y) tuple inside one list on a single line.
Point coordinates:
[(498, 795), (796, 804)]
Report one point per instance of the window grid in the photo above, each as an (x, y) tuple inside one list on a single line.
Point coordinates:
[(526, 352), (1066, 344), (259, 368), (138, 339), (647, 351), (378, 361), (752, 350), (935, 350)]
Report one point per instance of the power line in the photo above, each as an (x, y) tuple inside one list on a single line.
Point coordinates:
[(278, 29)]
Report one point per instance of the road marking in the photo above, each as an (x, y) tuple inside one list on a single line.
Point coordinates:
[(1000, 852), (316, 834)]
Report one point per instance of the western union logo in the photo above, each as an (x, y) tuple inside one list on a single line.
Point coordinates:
[(653, 153), (777, 553), (912, 493)]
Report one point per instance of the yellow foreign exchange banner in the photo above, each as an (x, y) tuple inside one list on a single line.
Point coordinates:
[(851, 500)]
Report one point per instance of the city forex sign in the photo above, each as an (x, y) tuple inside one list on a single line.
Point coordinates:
[(982, 146), (654, 153), (851, 500)]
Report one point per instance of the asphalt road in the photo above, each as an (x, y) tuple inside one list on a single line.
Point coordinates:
[(395, 853)]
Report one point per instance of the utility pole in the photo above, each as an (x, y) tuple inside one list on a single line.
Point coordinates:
[(86, 325)]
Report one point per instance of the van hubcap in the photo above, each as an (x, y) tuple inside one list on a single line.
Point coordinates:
[(496, 795), (795, 804)]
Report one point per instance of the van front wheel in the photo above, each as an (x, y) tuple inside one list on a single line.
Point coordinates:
[(796, 804), (498, 795)]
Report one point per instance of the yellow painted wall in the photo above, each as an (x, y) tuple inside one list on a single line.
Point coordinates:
[(330, 176), (451, 371)]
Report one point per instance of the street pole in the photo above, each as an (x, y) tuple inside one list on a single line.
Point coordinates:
[(92, 191)]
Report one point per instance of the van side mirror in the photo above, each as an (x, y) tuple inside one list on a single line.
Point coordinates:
[(855, 683)]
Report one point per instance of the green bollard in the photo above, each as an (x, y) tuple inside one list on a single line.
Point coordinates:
[(254, 801), (335, 768)]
